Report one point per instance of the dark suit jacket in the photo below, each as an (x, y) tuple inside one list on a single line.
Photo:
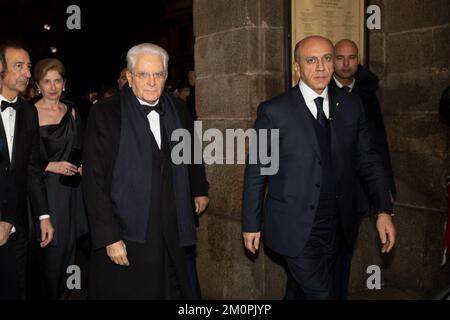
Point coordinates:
[(293, 193), (102, 138), (366, 84), (23, 175)]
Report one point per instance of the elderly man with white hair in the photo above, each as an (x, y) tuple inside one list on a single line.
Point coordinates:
[(138, 201)]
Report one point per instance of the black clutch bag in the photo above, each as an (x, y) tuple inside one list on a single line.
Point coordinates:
[(75, 159)]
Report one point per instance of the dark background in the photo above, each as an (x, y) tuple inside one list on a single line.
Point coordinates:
[(94, 55)]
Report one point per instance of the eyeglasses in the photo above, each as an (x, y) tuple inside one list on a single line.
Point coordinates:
[(146, 75)]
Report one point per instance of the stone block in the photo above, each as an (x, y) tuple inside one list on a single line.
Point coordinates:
[(419, 133), (273, 51), (235, 96), (441, 47), (377, 63), (272, 13), (420, 179), (211, 16), (405, 52), (225, 270), (403, 15), (413, 266), (417, 90)]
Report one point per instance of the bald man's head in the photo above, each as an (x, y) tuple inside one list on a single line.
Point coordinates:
[(314, 62), (346, 60), (309, 41)]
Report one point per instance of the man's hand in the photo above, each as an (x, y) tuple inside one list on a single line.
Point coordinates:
[(5, 231), (200, 204), (117, 252), (47, 232), (251, 240), (386, 230)]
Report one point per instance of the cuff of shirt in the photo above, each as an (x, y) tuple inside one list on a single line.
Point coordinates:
[(44, 216), (389, 212), (13, 229)]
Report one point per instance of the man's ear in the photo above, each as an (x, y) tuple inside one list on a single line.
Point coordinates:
[(297, 69), (129, 78)]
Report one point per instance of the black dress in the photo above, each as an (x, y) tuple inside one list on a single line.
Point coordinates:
[(157, 268), (66, 207)]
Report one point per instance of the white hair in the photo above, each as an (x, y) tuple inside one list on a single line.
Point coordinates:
[(146, 48)]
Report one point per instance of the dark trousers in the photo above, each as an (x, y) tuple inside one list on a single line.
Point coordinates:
[(191, 254), (342, 266), (13, 267), (312, 270), (341, 275), (9, 283)]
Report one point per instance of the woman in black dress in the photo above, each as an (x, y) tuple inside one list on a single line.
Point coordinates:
[(60, 147)]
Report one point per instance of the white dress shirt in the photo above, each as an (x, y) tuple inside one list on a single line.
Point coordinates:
[(340, 85), (309, 95), (153, 121), (9, 123)]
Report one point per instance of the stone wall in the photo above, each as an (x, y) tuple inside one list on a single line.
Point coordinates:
[(239, 63), (239, 53), (411, 55)]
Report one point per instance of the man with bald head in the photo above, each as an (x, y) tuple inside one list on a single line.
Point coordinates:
[(324, 147), (352, 77)]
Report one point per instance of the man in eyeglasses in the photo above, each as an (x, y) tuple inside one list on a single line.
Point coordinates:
[(20, 173), (138, 200)]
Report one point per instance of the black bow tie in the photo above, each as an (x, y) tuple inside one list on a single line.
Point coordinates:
[(6, 105), (147, 109)]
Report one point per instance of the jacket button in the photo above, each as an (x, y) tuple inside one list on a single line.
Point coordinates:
[(317, 185), (312, 207), (320, 163)]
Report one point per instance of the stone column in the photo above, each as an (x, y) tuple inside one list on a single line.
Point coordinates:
[(239, 58)]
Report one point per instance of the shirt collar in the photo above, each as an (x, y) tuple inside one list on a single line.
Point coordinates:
[(12, 101), (146, 103), (309, 94), (340, 85)]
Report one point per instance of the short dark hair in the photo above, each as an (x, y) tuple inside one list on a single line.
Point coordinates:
[(8, 45)]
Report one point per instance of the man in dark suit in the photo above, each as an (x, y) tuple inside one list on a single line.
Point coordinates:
[(324, 147), (20, 173), (353, 78), (138, 200)]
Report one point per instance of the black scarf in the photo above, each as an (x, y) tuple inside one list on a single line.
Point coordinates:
[(131, 185)]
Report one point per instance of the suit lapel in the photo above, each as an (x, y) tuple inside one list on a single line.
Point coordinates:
[(304, 119), (17, 129), (4, 142)]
